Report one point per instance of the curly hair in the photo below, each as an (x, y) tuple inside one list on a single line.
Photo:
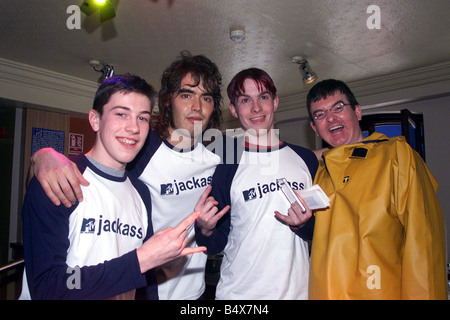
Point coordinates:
[(202, 70)]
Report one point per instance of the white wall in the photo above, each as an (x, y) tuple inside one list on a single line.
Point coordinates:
[(297, 132)]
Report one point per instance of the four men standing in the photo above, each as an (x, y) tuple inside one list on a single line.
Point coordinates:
[(384, 218)]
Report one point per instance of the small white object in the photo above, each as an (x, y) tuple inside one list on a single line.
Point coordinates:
[(297, 59), (237, 35), (315, 198), (94, 63)]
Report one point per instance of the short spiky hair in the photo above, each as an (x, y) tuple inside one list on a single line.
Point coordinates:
[(202, 70), (122, 83), (327, 88), (262, 78)]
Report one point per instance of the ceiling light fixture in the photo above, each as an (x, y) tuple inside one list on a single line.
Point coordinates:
[(105, 7), (309, 76), (106, 70), (237, 35)]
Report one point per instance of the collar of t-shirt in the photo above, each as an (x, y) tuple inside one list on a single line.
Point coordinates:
[(105, 169)]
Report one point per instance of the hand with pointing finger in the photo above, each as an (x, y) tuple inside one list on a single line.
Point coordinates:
[(166, 245), (209, 212)]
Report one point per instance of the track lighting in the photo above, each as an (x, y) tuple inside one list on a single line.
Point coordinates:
[(309, 76), (106, 70)]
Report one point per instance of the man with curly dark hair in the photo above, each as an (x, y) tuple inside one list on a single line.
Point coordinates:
[(203, 75)]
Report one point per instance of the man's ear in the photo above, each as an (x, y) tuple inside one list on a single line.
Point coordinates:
[(313, 126), (233, 111), (358, 111), (94, 119), (275, 103)]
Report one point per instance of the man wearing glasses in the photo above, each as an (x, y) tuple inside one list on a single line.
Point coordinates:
[(383, 235)]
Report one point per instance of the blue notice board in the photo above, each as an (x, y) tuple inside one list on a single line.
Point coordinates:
[(43, 138)]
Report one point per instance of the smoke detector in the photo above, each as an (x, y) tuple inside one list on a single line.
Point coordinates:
[(237, 35)]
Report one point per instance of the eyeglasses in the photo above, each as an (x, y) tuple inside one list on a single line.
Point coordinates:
[(337, 108)]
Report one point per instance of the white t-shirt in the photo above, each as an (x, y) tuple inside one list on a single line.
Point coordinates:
[(263, 258), (176, 179)]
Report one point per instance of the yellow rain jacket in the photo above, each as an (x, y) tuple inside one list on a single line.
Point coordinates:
[(383, 235)]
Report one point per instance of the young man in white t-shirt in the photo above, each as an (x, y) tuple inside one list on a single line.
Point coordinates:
[(95, 249), (264, 257)]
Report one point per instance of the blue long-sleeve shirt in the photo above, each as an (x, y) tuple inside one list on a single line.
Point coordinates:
[(87, 251)]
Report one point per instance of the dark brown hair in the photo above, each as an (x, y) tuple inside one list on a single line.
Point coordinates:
[(327, 88), (122, 83), (202, 70)]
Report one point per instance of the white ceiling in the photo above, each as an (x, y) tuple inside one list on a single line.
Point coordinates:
[(147, 35)]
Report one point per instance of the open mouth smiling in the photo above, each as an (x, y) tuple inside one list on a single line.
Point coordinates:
[(127, 141), (336, 128), (258, 119)]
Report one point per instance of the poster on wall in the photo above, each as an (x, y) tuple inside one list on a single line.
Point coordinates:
[(44, 138), (76, 143)]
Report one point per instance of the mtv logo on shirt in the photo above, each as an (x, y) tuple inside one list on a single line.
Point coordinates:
[(249, 194), (88, 225), (166, 189)]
